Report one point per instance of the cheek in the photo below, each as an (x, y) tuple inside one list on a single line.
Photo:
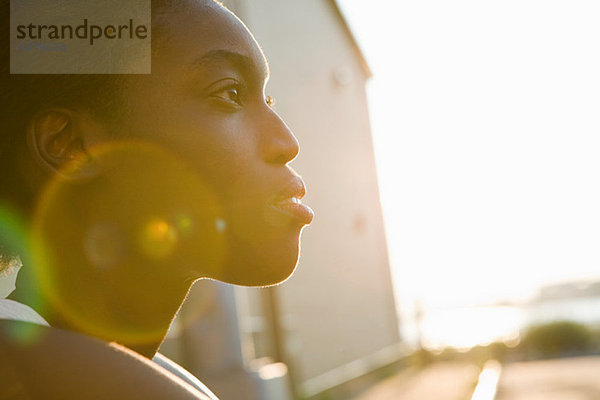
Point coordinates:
[(221, 147), (216, 144), (229, 162), (235, 177)]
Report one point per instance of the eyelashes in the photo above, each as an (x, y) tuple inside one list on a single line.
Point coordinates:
[(270, 100), (229, 94), (233, 94)]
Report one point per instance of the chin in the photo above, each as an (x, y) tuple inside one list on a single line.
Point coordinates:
[(265, 265)]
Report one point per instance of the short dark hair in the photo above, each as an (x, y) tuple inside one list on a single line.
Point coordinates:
[(24, 95), (21, 96)]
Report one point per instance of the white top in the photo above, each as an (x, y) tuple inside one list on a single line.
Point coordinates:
[(10, 309)]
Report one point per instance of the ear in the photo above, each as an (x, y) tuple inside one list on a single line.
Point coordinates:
[(57, 138)]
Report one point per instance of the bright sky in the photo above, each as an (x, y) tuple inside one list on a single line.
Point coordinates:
[(486, 121)]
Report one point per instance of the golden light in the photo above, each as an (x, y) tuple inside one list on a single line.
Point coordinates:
[(145, 213), (158, 239)]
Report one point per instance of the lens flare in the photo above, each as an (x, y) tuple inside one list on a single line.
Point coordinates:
[(104, 245), (137, 222), (12, 233), (220, 225), (184, 224), (158, 239), (14, 242)]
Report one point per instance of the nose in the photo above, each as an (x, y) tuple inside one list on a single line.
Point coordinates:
[(280, 146)]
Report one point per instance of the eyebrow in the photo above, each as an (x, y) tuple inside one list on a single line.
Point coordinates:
[(239, 61)]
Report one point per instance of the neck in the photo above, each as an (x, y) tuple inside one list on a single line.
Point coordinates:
[(128, 306)]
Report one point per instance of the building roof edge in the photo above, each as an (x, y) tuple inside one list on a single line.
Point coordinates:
[(361, 56)]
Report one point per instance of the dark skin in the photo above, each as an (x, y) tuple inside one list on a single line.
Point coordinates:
[(206, 145)]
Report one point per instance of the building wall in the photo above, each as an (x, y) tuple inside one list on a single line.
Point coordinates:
[(337, 311)]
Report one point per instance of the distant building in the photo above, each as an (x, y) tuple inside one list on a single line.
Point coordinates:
[(335, 319)]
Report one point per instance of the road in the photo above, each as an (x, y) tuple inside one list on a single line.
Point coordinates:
[(559, 379)]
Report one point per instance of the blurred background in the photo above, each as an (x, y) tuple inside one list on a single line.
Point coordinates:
[(450, 149)]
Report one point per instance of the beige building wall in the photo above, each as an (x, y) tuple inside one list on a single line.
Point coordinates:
[(337, 311)]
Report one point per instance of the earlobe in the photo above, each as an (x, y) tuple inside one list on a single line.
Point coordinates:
[(56, 139)]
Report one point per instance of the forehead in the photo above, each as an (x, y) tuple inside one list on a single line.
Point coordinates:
[(203, 31)]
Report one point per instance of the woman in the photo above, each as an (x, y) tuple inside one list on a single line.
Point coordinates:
[(135, 186)]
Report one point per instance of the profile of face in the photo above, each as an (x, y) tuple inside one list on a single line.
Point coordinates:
[(222, 161)]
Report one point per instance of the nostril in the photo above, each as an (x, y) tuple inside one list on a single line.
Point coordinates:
[(282, 153), (282, 160)]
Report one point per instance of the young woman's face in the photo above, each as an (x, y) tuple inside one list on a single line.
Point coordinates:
[(205, 103)]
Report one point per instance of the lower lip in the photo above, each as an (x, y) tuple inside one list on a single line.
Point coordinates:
[(300, 212)]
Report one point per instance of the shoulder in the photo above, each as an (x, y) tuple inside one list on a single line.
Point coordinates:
[(47, 363)]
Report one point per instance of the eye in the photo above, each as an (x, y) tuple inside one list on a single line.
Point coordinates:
[(229, 94), (270, 100)]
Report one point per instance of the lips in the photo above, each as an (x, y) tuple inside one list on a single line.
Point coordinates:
[(289, 201)]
